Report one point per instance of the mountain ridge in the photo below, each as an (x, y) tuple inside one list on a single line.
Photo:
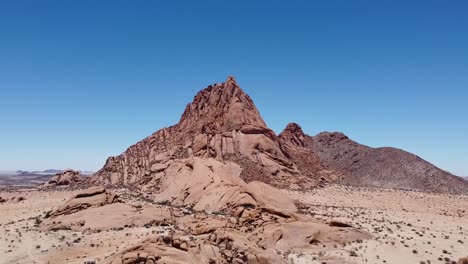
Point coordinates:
[(223, 123), (386, 167)]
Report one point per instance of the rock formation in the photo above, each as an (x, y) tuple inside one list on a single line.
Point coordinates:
[(228, 244), (212, 186), (294, 144), (67, 178), (376, 167), (222, 123), (99, 209), (207, 214), (92, 197)]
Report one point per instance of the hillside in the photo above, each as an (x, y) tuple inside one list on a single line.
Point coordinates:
[(377, 167)]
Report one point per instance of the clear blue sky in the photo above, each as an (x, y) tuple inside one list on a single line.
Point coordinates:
[(83, 80)]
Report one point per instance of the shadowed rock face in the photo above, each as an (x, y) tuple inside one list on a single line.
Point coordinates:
[(295, 144), (222, 123), (377, 167)]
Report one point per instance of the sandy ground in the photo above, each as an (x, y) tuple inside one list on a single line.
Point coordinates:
[(407, 227), (22, 243)]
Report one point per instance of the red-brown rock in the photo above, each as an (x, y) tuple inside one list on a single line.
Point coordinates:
[(222, 123)]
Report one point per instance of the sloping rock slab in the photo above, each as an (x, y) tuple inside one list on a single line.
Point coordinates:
[(112, 216), (92, 197)]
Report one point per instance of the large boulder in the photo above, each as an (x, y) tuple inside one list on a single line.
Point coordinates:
[(99, 209), (111, 216), (270, 198), (212, 186), (92, 197)]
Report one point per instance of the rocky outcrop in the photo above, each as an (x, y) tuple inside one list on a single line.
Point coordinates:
[(227, 246), (222, 123), (99, 209), (374, 167), (205, 213), (294, 144), (111, 216), (92, 197), (212, 186), (66, 178), (251, 237)]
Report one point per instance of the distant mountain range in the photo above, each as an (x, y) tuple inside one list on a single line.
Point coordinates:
[(45, 172)]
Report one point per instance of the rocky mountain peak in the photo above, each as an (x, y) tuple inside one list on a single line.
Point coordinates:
[(231, 81), (331, 138), (221, 123), (219, 108), (293, 133), (293, 128)]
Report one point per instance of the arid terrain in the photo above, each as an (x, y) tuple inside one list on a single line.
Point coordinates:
[(221, 187), (406, 227)]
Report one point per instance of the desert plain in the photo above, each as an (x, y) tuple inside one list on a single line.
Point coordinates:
[(405, 227), (221, 187)]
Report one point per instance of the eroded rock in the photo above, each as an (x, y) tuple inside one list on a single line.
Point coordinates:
[(92, 197), (67, 178), (222, 123), (212, 186)]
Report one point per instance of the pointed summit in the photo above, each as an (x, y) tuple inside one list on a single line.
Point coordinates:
[(293, 133), (294, 129), (231, 80), (295, 145), (221, 122), (219, 108), (231, 85)]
